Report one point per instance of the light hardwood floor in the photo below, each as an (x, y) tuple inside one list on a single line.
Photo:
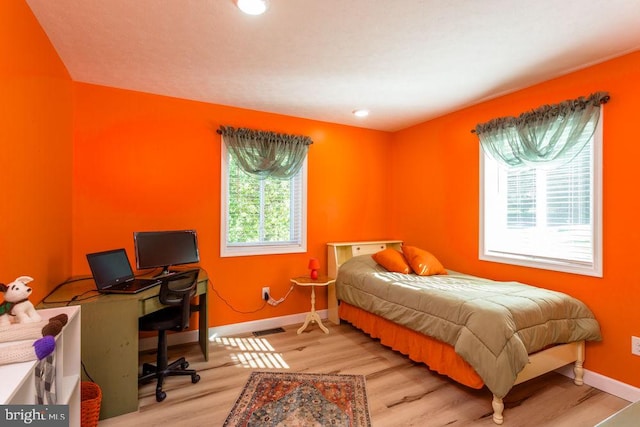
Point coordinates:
[(400, 392)]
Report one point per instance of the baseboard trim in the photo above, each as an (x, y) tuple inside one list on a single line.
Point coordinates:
[(228, 330), (606, 384), (593, 379), (258, 325)]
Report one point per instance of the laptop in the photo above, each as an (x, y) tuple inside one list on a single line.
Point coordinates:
[(113, 274)]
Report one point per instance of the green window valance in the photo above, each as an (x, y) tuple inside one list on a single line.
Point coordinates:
[(547, 137), (266, 154)]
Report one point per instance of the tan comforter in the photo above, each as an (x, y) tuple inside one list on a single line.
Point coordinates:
[(492, 325)]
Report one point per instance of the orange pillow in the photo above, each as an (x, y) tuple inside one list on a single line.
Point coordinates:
[(392, 260), (422, 262)]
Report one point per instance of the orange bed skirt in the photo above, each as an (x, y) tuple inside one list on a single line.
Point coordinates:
[(438, 356)]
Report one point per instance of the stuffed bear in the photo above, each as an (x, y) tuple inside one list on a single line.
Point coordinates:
[(16, 302)]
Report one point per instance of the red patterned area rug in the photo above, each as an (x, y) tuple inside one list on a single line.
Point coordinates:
[(296, 399)]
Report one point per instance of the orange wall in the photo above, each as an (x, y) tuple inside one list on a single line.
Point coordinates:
[(100, 158), (436, 190), (145, 162), (35, 154)]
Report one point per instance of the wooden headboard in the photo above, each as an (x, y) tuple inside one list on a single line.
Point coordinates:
[(338, 253)]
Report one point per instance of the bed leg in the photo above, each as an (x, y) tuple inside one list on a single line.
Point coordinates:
[(577, 368), (498, 408), (332, 304)]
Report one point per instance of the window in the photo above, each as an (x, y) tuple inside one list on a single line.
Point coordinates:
[(548, 219), (261, 217)]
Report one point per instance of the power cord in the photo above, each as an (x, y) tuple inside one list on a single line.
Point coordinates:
[(84, 369), (270, 301), (76, 297), (274, 302), (264, 304), (94, 293)]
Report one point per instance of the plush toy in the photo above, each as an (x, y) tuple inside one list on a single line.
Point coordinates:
[(16, 302)]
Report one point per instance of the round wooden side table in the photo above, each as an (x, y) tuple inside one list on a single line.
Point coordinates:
[(312, 316)]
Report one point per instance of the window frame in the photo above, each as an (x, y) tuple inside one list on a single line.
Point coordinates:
[(595, 268), (300, 246)]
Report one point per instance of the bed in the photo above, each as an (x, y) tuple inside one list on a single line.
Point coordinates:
[(477, 331)]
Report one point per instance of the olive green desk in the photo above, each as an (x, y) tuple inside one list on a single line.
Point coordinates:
[(109, 337)]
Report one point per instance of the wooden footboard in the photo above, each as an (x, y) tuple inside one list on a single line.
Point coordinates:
[(546, 361)]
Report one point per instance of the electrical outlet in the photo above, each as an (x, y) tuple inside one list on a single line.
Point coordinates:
[(635, 346), (266, 293)]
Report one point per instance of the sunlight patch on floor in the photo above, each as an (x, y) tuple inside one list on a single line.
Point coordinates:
[(252, 352)]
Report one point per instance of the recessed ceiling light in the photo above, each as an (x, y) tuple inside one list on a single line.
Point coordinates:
[(360, 113), (252, 7)]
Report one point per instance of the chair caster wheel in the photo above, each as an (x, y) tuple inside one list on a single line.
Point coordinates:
[(160, 396), (185, 365), (195, 378)]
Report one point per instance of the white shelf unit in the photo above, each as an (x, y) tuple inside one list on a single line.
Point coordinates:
[(18, 383)]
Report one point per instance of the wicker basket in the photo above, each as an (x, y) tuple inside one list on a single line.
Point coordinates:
[(90, 396)]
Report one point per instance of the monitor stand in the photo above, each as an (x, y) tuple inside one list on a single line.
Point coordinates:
[(165, 272)]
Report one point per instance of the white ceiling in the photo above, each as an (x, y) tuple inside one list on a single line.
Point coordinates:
[(405, 60)]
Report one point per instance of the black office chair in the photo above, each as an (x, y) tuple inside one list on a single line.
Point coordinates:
[(176, 291)]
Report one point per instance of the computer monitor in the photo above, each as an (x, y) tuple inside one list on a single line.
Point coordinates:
[(164, 249)]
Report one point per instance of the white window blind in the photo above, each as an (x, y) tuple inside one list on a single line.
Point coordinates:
[(544, 218)]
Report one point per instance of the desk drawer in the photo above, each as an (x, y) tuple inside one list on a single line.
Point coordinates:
[(152, 303), (149, 305)]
